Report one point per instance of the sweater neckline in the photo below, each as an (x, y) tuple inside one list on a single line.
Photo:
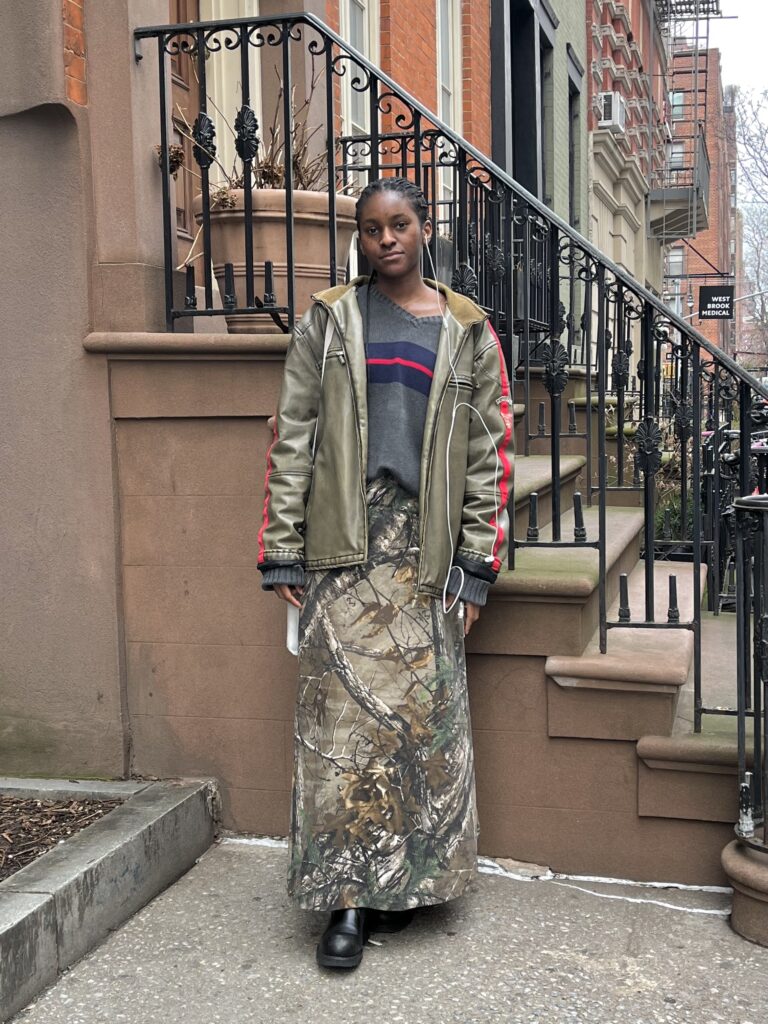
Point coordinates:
[(406, 313)]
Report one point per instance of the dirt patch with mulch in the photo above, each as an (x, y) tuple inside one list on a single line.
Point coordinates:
[(29, 827)]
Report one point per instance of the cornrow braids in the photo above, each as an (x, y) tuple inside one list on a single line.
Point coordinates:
[(404, 187)]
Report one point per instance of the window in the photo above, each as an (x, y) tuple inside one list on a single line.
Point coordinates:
[(677, 155), (448, 95), (673, 296), (449, 63), (547, 120), (676, 262), (677, 105), (574, 140), (359, 27)]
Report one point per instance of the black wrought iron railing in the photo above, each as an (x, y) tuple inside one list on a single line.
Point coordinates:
[(654, 410), (750, 520)]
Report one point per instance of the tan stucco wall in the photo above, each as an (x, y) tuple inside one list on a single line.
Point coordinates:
[(81, 247), (60, 697)]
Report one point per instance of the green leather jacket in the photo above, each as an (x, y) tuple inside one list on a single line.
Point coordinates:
[(315, 511)]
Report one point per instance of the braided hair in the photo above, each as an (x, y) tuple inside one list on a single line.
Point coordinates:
[(403, 186)]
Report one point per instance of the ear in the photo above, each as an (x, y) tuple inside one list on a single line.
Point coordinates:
[(426, 232)]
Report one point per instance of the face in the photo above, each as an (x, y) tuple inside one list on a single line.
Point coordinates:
[(391, 236)]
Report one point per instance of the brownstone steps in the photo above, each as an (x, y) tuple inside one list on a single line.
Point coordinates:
[(584, 788), (633, 688), (549, 603), (533, 473)]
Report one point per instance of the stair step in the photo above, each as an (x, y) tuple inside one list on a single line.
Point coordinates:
[(633, 689), (533, 473), (693, 777), (549, 602)]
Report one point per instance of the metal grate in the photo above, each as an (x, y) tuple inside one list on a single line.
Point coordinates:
[(686, 10)]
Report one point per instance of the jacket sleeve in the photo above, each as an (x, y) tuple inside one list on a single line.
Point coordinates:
[(289, 459), (484, 537)]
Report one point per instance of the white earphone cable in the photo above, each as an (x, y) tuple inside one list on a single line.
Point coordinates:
[(456, 406)]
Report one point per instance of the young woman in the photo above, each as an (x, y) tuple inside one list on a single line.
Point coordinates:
[(385, 522)]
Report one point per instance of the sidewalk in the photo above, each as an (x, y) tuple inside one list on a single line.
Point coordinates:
[(225, 945)]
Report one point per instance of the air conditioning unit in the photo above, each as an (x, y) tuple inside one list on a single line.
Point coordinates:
[(613, 111)]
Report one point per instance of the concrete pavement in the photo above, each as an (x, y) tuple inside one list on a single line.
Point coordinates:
[(224, 944)]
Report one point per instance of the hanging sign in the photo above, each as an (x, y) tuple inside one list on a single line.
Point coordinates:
[(716, 302)]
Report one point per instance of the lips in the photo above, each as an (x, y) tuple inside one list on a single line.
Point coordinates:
[(391, 256)]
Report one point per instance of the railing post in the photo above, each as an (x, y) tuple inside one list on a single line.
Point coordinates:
[(246, 151), (330, 159), (206, 149), (696, 429), (745, 438), (556, 389), (648, 455), (288, 151), (602, 462), (170, 323)]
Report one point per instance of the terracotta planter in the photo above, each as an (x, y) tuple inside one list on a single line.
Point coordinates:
[(310, 232)]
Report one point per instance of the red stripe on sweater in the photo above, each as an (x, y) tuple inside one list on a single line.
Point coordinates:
[(267, 494), (401, 362), (506, 467)]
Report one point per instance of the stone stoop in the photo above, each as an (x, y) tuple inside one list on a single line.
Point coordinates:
[(549, 604), (556, 738), (693, 777)]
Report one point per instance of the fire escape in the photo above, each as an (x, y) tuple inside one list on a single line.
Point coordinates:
[(679, 197)]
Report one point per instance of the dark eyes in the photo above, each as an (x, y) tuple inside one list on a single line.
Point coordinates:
[(400, 226)]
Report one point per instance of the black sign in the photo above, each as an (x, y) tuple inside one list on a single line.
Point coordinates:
[(716, 302)]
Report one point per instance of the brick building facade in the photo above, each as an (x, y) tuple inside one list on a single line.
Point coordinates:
[(710, 258)]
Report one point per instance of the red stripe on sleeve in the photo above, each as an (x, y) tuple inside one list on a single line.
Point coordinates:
[(267, 494), (506, 466)]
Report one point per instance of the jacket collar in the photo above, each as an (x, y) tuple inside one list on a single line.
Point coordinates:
[(463, 310)]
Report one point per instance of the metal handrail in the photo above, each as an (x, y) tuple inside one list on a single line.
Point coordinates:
[(583, 243)]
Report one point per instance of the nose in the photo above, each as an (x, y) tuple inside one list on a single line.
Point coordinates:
[(387, 239)]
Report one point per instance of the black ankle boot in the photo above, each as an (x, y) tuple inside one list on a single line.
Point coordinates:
[(390, 920), (341, 944)]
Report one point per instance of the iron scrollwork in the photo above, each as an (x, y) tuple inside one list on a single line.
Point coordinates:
[(495, 259), (556, 365), (204, 134), (246, 137), (648, 448), (620, 370), (464, 281)]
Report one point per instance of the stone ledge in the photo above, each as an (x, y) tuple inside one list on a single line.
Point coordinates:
[(75, 789), (59, 907), (689, 749), (159, 342)]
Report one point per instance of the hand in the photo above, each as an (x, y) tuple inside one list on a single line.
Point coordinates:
[(471, 612), (289, 593)]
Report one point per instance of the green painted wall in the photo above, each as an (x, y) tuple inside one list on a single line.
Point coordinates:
[(555, 89)]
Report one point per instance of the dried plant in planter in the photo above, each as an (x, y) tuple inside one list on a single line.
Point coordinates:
[(268, 168), (309, 176)]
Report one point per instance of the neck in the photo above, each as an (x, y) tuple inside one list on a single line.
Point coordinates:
[(403, 289)]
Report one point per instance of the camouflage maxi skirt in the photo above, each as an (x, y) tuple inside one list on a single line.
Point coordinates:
[(383, 808)]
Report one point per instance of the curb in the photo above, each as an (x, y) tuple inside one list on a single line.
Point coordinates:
[(55, 910)]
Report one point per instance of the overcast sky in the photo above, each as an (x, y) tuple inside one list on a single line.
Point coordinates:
[(742, 42)]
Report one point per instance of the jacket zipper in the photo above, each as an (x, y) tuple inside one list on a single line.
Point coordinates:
[(433, 442), (361, 481)]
